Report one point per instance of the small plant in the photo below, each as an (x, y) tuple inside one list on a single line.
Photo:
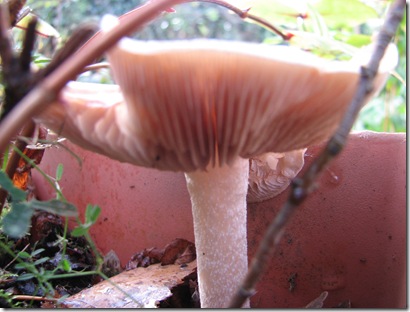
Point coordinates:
[(17, 221), (92, 213), (38, 266)]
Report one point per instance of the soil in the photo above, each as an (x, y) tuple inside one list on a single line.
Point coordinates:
[(46, 233)]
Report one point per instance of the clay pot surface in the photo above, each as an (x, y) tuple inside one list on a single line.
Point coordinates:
[(140, 207), (347, 238)]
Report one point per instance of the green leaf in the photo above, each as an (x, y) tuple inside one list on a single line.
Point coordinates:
[(41, 260), (25, 276), (323, 47), (16, 193), (92, 213), (344, 13), (79, 231), (42, 60), (59, 172), (65, 264), (356, 40), (318, 23), (17, 222), (22, 265), (55, 206), (24, 255), (37, 251)]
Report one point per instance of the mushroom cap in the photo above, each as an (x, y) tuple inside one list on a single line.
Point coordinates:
[(182, 105), (271, 173)]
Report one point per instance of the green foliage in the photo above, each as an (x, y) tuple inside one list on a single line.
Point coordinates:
[(17, 221), (8, 299), (339, 14), (35, 265), (92, 213)]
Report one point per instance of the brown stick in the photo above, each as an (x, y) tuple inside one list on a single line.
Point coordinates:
[(245, 14), (47, 91), (302, 186), (5, 44), (34, 298)]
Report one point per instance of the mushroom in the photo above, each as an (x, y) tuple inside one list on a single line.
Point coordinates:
[(204, 107), (271, 173)]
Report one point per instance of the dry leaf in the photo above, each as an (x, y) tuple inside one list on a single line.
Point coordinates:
[(318, 302), (179, 251), (147, 286)]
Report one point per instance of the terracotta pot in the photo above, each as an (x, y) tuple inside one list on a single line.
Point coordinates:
[(349, 236)]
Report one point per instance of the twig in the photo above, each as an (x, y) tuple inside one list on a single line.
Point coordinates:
[(15, 7), (97, 66), (80, 36), (6, 51), (47, 90), (245, 14), (19, 79), (17, 76), (28, 45), (302, 186), (34, 298), (15, 258)]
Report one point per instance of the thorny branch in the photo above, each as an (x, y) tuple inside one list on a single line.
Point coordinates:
[(20, 80), (245, 14), (302, 186), (47, 90)]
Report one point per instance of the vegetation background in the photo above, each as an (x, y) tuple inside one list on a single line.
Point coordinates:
[(319, 24)]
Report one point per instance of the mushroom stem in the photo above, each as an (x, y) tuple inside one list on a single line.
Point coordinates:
[(218, 198)]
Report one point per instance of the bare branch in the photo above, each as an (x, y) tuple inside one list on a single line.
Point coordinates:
[(28, 45), (15, 7), (245, 14), (47, 91), (6, 51), (97, 66), (302, 186)]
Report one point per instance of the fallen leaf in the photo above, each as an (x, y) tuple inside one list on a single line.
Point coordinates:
[(179, 251), (22, 175), (144, 288), (177, 248), (318, 302), (112, 264)]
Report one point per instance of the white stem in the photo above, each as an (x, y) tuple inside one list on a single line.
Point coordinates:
[(218, 197)]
